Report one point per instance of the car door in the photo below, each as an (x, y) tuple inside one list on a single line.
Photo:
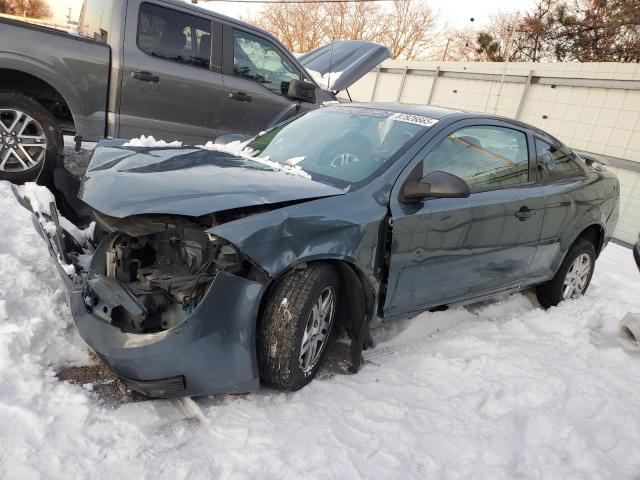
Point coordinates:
[(172, 81), (449, 250), (257, 73)]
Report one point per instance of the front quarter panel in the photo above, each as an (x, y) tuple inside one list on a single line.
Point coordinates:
[(346, 228)]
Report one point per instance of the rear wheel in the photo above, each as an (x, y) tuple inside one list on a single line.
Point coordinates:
[(573, 276), (295, 326), (29, 135)]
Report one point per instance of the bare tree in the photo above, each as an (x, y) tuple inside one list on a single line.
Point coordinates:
[(299, 26), (411, 29), (352, 21), (460, 46), (29, 8), (6, 6), (407, 28)]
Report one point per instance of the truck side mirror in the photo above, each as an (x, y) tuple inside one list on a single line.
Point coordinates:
[(435, 185), (301, 90)]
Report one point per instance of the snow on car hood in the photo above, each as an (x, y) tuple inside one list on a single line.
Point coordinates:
[(123, 181), (340, 64)]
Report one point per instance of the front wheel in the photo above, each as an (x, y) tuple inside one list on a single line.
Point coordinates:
[(295, 326), (29, 135), (573, 276)]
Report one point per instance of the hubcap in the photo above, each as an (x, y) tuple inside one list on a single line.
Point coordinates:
[(316, 332), (22, 141), (577, 277)]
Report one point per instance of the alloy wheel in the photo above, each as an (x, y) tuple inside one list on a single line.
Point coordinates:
[(317, 329), (575, 281), (23, 144)]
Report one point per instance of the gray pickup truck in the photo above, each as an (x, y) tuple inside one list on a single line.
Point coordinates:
[(155, 67)]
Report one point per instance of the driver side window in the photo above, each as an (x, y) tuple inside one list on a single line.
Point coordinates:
[(257, 59), (486, 157)]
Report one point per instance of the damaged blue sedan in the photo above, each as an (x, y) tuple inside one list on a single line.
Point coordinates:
[(218, 268)]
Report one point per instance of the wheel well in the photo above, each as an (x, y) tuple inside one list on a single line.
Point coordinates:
[(40, 91), (594, 234), (356, 299)]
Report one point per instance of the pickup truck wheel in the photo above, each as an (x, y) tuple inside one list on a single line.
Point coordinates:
[(295, 326), (29, 135), (573, 276)]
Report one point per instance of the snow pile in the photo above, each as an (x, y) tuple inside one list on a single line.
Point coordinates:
[(240, 149), (498, 390), (150, 142), (41, 200), (326, 80)]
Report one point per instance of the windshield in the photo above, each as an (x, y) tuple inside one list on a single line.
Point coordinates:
[(338, 145)]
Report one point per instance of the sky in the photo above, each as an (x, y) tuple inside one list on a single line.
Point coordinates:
[(456, 13)]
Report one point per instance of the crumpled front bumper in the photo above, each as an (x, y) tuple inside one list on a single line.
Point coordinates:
[(212, 351)]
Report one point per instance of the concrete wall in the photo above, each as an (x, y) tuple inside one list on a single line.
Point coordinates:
[(592, 107)]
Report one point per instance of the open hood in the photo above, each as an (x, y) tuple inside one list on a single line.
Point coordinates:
[(338, 65), (123, 181)]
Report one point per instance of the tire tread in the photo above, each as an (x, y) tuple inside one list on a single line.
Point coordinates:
[(278, 329)]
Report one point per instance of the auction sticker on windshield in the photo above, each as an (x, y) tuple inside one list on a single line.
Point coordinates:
[(416, 119)]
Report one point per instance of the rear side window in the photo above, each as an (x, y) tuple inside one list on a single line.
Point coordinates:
[(555, 163), (95, 19), (486, 157), (175, 36), (259, 60)]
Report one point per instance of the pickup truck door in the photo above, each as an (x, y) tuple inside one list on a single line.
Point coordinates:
[(256, 75), (171, 84), (450, 250)]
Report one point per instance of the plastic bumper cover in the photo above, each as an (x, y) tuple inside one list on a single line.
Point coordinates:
[(212, 351)]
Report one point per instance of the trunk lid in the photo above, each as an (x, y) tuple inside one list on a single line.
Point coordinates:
[(123, 181), (339, 64)]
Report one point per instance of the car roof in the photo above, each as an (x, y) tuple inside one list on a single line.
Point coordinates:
[(439, 113), (423, 110)]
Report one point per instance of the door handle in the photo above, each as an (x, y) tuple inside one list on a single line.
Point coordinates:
[(145, 77), (240, 96), (524, 213)]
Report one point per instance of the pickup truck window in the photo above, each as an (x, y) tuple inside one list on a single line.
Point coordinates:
[(95, 19), (260, 60), (172, 35), (556, 163)]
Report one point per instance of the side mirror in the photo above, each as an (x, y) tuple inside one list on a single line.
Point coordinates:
[(436, 185), (301, 90)]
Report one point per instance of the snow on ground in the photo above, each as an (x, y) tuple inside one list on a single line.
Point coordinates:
[(497, 390)]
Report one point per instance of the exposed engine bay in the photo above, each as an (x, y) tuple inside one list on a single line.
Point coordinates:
[(150, 273)]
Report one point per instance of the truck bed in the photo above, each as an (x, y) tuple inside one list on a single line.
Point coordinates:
[(72, 66)]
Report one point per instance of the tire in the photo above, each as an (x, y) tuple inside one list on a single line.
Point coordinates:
[(37, 121), (287, 316), (552, 293)]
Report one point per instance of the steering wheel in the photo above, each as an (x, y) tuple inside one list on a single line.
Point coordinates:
[(345, 153)]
